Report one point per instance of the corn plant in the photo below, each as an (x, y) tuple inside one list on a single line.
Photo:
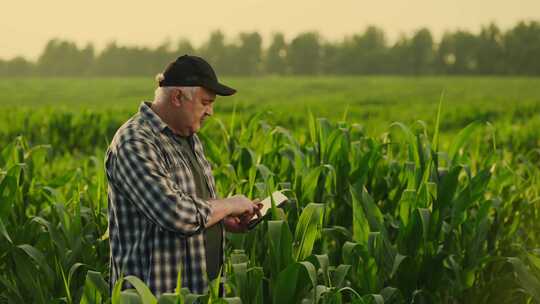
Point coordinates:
[(405, 217)]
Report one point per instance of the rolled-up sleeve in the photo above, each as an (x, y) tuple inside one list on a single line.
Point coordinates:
[(140, 173)]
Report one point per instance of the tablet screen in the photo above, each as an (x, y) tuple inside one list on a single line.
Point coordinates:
[(279, 199)]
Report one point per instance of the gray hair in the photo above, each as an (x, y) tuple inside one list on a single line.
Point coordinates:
[(164, 93)]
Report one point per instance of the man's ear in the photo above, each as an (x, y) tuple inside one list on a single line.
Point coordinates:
[(176, 97)]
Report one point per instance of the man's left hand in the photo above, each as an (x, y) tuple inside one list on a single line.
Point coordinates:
[(239, 224)]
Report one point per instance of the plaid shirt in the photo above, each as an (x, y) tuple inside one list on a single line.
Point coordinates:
[(156, 222)]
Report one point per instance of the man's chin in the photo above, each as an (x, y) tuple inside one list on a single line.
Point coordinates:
[(196, 128)]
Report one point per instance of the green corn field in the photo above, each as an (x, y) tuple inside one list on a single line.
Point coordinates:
[(434, 201)]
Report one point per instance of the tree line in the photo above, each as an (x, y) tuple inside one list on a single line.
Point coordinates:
[(491, 51)]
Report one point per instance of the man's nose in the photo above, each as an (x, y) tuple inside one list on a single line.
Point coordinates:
[(210, 110)]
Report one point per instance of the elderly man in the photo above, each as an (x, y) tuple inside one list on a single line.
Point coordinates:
[(164, 216)]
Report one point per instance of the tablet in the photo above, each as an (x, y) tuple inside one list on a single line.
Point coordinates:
[(279, 199)]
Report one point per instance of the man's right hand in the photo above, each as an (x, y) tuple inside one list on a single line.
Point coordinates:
[(235, 206), (240, 205)]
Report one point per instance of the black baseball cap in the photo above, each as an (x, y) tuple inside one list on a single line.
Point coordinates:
[(191, 70)]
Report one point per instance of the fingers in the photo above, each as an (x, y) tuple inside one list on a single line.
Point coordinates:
[(251, 209), (235, 224), (257, 207), (257, 203), (258, 210), (253, 206), (241, 204), (246, 217)]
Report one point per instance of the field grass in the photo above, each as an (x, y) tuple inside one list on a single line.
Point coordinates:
[(374, 102), (100, 92), (380, 212)]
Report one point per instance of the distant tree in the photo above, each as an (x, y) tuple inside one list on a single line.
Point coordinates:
[(330, 58), (216, 52), (491, 51), (248, 55), (490, 54), (63, 58), (457, 53), (466, 48), (446, 57), (421, 52), (114, 61), (365, 53), (275, 60), (184, 47), (304, 54), (159, 57), (400, 57), (16, 67), (522, 45), (413, 56), (117, 60), (87, 59)]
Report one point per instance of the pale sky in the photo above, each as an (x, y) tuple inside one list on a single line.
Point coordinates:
[(26, 26)]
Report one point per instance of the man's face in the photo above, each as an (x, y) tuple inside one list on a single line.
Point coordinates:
[(195, 111)]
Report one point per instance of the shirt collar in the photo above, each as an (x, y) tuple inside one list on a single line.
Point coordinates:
[(151, 117)]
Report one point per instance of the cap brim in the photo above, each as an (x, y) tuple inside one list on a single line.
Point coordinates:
[(220, 89)]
